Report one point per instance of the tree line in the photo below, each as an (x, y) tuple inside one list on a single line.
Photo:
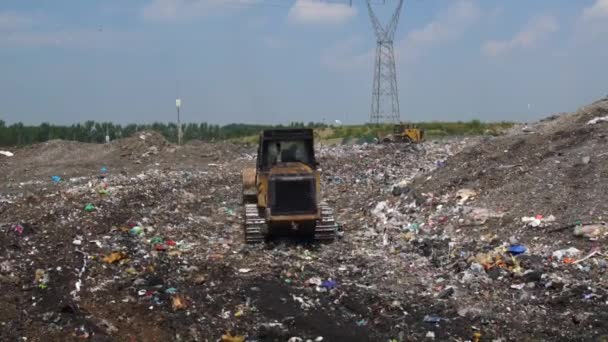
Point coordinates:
[(91, 131)]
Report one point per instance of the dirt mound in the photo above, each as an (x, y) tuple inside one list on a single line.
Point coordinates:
[(54, 152), (555, 166), (143, 144), (62, 158)]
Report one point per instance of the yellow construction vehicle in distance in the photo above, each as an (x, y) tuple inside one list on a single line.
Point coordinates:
[(403, 133)]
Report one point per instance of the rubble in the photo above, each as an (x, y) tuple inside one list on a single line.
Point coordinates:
[(433, 244)]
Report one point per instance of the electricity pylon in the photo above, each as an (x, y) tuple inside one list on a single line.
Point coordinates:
[(385, 97)]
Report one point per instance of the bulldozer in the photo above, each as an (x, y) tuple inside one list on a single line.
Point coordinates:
[(282, 194), (404, 133)]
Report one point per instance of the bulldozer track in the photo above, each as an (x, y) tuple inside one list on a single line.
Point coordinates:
[(326, 228), (255, 224), (256, 228)]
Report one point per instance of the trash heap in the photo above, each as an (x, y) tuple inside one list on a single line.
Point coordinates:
[(512, 228), (144, 144), (452, 239)]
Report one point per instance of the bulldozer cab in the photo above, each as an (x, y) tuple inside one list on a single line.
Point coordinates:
[(408, 133), (398, 129), (285, 146)]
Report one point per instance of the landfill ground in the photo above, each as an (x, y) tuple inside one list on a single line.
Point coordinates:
[(459, 239)]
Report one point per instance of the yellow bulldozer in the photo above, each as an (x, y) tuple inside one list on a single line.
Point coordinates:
[(403, 133), (282, 194)]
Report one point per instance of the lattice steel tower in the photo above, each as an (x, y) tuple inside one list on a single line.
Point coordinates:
[(385, 97)]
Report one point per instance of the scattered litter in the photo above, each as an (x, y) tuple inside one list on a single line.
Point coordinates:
[(329, 284), (228, 337), (445, 293), (17, 228), (595, 251), (178, 302), (433, 319), (78, 284), (362, 322), (114, 257), (518, 286), (516, 249), (42, 277), (415, 234), (136, 231), (464, 195), (591, 231), (6, 153), (316, 281), (154, 240), (538, 220), (566, 253), (597, 120)]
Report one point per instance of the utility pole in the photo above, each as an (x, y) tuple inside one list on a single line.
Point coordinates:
[(107, 133), (178, 104), (385, 97)]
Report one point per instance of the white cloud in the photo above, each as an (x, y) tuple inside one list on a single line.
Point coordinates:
[(591, 28), (598, 10), (534, 31), (174, 9), (320, 12), (14, 21), (449, 24), (343, 56)]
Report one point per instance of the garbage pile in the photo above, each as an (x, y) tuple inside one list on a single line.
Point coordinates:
[(512, 228), (554, 167), (438, 242), (144, 144), (154, 250)]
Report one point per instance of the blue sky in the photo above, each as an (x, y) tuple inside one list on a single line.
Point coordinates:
[(271, 61)]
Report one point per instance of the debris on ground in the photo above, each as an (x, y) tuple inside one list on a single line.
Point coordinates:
[(433, 244)]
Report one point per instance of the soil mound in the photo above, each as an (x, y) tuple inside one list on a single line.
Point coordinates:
[(57, 152), (143, 144), (557, 166)]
